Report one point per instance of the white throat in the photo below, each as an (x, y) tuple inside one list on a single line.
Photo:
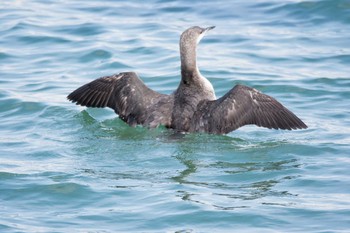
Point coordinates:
[(207, 86), (200, 37)]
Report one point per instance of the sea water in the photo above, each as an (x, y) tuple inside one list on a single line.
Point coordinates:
[(66, 168)]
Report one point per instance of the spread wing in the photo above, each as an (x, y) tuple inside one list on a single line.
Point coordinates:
[(124, 92), (241, 106)]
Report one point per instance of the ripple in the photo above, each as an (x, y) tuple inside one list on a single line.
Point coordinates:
[(41, 39), (5, 56), (96, 55), (175, 9), (84, 29), (23, 107), (115, 65), (317, 12), (69, 168)]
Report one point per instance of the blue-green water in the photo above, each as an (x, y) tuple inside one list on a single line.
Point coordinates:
[(65, 168)]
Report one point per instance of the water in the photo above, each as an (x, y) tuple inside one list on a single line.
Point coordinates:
[(65, 168)]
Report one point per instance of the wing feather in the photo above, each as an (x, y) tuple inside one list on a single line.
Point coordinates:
[(125, 93), (241, 106)]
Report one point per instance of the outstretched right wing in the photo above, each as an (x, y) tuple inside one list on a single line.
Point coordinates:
[(241, 106), (125, 93)]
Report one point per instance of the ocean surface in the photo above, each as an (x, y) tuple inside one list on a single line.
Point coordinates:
[(66, 168)]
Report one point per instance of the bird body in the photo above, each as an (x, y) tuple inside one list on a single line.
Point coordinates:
[(193, 106)]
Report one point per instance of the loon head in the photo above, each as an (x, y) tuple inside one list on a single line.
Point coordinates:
[(188, 46), (193, 35)]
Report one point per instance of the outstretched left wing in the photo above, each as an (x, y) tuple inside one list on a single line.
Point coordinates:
[(125, 93)]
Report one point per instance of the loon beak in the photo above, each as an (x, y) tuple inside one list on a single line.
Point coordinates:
[(209, 28), (204, 32)]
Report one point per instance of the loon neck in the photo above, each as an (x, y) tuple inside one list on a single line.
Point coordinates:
[(189, 67)]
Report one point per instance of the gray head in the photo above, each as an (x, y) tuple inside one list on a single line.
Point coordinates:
[(188, 44), (193, 35)]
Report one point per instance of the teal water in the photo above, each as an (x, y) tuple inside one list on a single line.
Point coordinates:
[(65, 168)]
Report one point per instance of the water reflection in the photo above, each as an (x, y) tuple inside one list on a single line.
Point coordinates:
[(224, 179), (219, 172)]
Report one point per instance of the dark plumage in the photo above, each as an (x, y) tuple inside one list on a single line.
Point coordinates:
[(193, 107)]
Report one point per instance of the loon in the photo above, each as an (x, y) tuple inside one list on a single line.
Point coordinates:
[(193, 106)]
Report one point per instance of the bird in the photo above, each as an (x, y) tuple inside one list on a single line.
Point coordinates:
[(193, 106)]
